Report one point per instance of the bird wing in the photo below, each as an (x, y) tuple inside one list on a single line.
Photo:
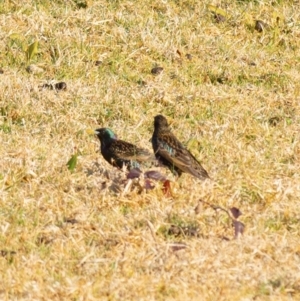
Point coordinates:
[(173, 151), (129, 151)]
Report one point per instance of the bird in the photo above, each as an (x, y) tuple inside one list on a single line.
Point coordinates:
[(120, 153), (171, 153)]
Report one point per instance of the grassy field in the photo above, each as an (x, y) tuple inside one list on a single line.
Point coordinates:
[(231, 93)]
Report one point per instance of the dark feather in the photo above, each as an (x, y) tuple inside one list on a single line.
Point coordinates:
[(170, 152)]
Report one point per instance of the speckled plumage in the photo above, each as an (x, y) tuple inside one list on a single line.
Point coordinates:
[(118, 152), (171, 153)]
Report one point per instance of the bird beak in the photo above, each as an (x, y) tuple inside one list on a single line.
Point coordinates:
[(96, 132)]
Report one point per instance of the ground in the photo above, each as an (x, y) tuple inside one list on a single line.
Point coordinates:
[(230, 93)]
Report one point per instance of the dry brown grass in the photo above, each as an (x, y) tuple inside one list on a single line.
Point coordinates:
[(75, 236)]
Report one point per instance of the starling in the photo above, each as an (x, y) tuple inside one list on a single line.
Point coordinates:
[(118, 152), (170, 152)]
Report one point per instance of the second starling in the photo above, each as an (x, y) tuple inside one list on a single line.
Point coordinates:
[(170, 152)]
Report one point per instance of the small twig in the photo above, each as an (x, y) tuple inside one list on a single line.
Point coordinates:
[(235, 213), (215, 207)]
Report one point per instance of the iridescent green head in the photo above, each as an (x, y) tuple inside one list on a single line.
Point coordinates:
[(105, 135)]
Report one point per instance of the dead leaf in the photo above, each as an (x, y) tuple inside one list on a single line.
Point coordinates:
[(71, 221), (61, 86), (157, 70), (219, 18), (238, 229), (98, 63), (148, 185), (167, 188), (189, 56), (134, 173), (178, 247), (261, 26), (5, 253), (155, 175), (235, 212)]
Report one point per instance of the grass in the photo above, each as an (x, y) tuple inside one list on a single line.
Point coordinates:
[(75, 235)]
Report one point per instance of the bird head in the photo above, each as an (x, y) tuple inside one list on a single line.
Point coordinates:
[(105, 135), (160, 122)]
